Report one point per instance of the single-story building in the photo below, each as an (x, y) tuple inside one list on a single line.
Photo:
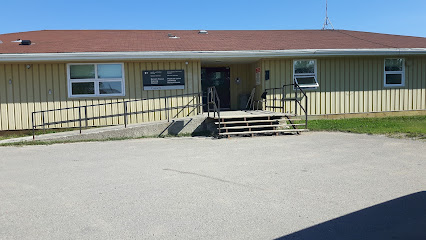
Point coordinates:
[(341, 71)]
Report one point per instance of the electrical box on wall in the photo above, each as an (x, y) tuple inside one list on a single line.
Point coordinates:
[(266, 74)]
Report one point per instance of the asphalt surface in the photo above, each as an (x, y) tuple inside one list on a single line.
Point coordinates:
[(311, 186)]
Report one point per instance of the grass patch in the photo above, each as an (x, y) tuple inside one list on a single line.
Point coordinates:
[(410, 126)]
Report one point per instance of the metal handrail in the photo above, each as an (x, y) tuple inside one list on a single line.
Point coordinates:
[(194, 103), (297, 102), (213, 98), (305, 109)]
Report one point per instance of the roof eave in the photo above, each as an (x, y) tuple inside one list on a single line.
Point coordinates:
[(205, 55)]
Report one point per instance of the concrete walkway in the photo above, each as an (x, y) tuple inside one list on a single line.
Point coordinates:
[(310, 186)]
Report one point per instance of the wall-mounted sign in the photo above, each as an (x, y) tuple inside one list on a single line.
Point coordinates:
[(163, 79), (258, 76)]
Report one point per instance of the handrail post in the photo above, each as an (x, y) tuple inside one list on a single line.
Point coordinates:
[(32, 120), (214, 100), (282, 99), (218, 106), (295, 99), (125, 114), (79, 116), (273, 100), (266, 103), (197, 103), (306, 111), (85, 116), (200, 102), (218, 113), (208, 102), (42, 120), (219, 122), (166, 109)]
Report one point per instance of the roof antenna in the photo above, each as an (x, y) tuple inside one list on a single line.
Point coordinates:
[(327, 21)]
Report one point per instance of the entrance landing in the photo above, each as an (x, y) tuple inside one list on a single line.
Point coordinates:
[(248, 114)]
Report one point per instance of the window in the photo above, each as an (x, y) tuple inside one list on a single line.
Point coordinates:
[(394, 72), (305, 73), (95, 79)]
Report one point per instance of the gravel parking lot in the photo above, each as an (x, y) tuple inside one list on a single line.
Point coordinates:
[(328, 185)]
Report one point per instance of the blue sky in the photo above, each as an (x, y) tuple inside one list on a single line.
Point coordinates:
[(404, 17)]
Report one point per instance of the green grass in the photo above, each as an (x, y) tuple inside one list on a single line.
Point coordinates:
[(411, 127)]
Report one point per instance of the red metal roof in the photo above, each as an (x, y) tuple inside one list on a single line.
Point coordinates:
[(70, 41)]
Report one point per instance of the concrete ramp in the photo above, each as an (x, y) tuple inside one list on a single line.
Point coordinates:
[(189, 125)]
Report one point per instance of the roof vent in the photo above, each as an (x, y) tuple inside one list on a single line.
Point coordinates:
[(1, 42), (172, 36), (203, 32), (23, 42)]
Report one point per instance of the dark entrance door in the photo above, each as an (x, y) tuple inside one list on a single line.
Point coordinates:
[(220, 78)]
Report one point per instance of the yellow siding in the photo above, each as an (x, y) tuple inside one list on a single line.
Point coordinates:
[(347, 85), (352, 85), (246, 74), (3, 98), (44, 86)]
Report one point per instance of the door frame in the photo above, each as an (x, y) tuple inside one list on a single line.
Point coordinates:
[(224, 105)]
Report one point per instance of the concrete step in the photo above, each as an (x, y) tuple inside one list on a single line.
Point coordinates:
[(248, 121), (255, 126), (252, 116), (264, 131)]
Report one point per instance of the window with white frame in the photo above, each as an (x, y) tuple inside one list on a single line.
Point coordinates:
[(394, 72), (305, 73), (95, 79)]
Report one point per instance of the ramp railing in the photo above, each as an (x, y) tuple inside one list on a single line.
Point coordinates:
[(160, 107)]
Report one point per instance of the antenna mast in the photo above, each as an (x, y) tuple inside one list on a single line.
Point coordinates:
[(327, 21)]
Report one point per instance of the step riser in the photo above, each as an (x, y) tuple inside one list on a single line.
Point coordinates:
[(231, 121), (251, 121), (254, 116), (254, 125), (264, 132), (258, 126)]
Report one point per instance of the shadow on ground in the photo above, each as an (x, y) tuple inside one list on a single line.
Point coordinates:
[(400, 218)]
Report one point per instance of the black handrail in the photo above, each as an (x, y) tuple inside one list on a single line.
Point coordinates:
[(213, 99), (167, 108), (283, 99), (305, 109)]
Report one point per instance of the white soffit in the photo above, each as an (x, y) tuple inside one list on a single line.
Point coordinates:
[(206, 55)]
